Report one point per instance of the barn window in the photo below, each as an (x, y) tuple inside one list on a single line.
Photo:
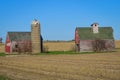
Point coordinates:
[(16, 46)]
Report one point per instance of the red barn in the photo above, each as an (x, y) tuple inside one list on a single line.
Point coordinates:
[(86, 36), (17, 40), (25, 41)]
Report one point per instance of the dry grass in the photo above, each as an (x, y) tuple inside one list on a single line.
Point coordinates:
[(59, 46), (117, 43), (102, 66), (2, 49)]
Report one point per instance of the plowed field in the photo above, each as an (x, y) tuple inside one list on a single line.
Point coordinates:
[(99, 66)]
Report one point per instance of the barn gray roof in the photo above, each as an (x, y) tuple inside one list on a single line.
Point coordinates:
[(14, 36), (86, 33)]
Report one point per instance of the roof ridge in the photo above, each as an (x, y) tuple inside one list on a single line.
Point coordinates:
[(98, 27)]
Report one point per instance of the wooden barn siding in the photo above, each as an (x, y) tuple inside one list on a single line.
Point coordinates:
[(110, 44), (86, 45), (7, 45), (76, 36), (21, 44)]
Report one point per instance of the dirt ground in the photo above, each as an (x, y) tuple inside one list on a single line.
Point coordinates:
[(101, 66)]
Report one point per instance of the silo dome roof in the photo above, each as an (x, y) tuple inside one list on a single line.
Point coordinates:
[(35, 21)]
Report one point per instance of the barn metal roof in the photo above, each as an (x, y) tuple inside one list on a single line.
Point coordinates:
[(14, 36), (86, 33)]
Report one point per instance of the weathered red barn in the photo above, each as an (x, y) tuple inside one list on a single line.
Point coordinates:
[(17, 39), (86, 36), (25, 41)]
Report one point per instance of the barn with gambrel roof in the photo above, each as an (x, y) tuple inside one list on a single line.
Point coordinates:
[(86, 36)]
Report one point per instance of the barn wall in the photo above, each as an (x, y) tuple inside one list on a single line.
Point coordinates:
[(86, 45), (7, 45), (76, 36), (110, 45), (17, 46)]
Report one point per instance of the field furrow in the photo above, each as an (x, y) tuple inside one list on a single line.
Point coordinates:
[(104, 66)]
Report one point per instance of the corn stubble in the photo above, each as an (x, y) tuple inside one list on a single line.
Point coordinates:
[(102, 66)]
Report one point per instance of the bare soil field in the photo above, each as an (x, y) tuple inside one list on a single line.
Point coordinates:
[(99, 66)]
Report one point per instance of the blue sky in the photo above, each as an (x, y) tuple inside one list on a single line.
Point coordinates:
[(58, 18)]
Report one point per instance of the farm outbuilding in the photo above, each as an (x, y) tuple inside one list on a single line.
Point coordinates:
[(87, 39), (15, 40), (25, 41)]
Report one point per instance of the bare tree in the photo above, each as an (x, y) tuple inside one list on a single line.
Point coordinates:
[(99, 45)]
